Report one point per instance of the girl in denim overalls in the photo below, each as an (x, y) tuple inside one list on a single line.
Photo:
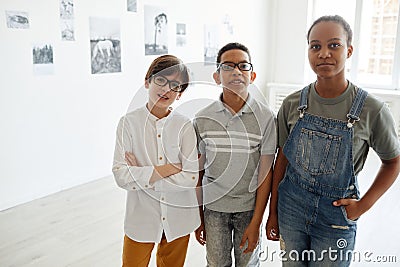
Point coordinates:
[(325, 131)]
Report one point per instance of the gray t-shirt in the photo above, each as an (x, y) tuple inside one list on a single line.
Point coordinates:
[(232, 145), (375, 129)]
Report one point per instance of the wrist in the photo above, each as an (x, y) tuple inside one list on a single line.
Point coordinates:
[(273, 209), (364, 205), (256, 221)]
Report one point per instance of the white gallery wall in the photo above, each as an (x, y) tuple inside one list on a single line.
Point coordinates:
[(58, 130)]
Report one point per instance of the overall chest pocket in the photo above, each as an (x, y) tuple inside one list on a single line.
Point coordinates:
[(317, 152)]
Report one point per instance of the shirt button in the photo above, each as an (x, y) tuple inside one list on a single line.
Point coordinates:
[(133, 188), (163, 218), (159, 135), (193, 177), (146, 185), (160, 158), (354, 196), (162, 199), (351, 187)]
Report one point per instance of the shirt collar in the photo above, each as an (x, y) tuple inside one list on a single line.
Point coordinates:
[(220, 104), (247, 108), (153, 118)]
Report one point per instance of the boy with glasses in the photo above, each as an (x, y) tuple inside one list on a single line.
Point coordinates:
[(236, 142), (155, 160)]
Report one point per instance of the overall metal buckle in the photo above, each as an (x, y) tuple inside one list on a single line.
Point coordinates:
[(351, 120)]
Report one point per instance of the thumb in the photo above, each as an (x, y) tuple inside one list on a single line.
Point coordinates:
[(244, 238), (341, 202)]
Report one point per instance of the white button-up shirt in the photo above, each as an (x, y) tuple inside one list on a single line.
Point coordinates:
[(170, 204)]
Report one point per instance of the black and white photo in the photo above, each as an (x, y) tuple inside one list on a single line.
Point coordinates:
[(105, 45), (67, 20), (67, 30), (17, 19), (66, 9), (210, 43), (42, 58), (155, 30), (180, 34), (228, 25), (132, 5)]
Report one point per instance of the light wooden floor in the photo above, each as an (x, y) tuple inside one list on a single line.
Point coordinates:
[(83, 227)]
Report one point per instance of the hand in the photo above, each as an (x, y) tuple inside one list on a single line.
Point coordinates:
[(352, 207), (201, 234), (251, 235), (272, 228), (130, 159)]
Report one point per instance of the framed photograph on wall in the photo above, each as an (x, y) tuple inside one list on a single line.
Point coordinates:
[(105, 45), (67, 20), (17, 19), (66, 9), (180, 34), (155, 30), (132, 5), (42, 57), (210, 44), (67, 30)]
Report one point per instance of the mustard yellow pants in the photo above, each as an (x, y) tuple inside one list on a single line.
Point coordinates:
[(172, 254)]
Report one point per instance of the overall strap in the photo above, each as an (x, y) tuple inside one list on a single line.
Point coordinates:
[(357, 106), (303, 100)]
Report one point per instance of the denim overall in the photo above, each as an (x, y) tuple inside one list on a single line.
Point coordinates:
[(320, 171)]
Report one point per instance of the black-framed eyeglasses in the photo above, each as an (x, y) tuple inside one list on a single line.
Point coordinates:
[(173, 85), (230, 66)]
